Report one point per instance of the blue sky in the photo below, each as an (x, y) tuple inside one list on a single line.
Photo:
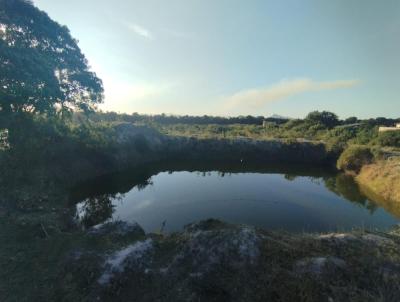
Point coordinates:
[(231, 57)]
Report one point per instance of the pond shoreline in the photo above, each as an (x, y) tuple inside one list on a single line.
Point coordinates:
[(35, 210)]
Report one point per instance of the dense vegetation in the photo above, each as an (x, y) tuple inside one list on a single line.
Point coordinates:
[(317, 126)]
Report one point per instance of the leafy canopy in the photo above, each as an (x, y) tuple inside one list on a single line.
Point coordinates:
[(326, 118), (42, 69)]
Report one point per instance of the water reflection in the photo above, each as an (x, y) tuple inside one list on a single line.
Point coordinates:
[(346, 187), (98, 199), (96, 209)]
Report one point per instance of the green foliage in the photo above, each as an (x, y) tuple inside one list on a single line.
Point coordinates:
[(35, 133), (51, 139), (164, 119), (42, 69), (389, 139), (326, 118), (316, 127), (96, 136), (350, 120), (354, 158), (365, 133), (338, 138)]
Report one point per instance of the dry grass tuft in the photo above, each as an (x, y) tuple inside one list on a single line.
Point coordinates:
[(382, 178)]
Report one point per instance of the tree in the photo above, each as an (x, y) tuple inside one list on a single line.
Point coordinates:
[(350, 120), (42, 69), (326, 118)]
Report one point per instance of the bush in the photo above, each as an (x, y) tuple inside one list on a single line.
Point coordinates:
[(293, 123), (389, 139), (365, 134), (337, 139), (354, 158)]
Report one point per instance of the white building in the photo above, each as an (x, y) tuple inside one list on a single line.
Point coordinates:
[(384, 129)]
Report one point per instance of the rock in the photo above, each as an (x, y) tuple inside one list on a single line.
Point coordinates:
[(210, 243), (203, 248), (130, 257), (215, 261)]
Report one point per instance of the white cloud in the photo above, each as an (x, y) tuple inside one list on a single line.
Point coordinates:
[(258, 97), (141, 31)]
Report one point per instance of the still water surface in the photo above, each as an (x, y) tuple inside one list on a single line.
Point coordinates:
[(293, 199)]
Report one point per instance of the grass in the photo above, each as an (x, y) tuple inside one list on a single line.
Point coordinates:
[(382, 178)]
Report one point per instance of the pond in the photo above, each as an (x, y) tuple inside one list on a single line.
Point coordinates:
[(167, 196)]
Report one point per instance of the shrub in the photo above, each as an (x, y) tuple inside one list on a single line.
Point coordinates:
[(337, 138), (365, 134), (389, 139), (354, 158), (293, 123)]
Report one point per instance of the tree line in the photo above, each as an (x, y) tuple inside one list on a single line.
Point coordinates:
[(325, 118)]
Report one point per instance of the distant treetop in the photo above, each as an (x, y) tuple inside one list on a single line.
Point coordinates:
[(326, 118)]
